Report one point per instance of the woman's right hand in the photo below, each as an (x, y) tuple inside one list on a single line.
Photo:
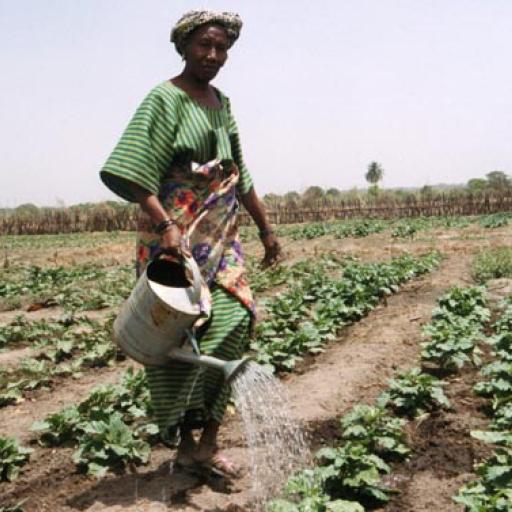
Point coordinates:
[(170, 241)]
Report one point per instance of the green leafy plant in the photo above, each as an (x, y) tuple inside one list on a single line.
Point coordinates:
[(283, 274), (496, 220), (12, 458), (372, 427), (59, 428), (109, 444), (81, 287), (358, 229), (504, 322), (88, 346), (492, 491), (492, 264), (452, 353), (463, 302), (502, 418), (502, 345), (21, 330), (352, 472), (406, 230), (305, 494), (10, 397), (498, 385), (15, 508), (130, 398), (413, 393), (456, 328)]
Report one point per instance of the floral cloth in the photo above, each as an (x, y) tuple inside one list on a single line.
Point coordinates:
[(202, 200)]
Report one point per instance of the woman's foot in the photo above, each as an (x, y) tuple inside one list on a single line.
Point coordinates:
[(210, 457)]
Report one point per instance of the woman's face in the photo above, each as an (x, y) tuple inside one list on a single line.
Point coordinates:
[(206, 51)]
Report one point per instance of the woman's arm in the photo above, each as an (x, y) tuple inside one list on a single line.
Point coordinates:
[(256, 210), (150, 204)]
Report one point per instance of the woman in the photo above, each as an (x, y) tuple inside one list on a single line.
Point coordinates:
[(180, 159)]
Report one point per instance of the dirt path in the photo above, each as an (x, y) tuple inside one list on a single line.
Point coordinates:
[(353, 369)]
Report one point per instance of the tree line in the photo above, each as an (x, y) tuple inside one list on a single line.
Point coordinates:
[(495, 182), (491, 193)]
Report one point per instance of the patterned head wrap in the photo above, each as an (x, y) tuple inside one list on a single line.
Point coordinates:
[(194, 19)]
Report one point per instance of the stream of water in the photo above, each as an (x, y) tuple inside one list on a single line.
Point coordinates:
[(276, 443)]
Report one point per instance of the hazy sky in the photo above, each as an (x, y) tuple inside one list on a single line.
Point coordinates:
[(319, 89)]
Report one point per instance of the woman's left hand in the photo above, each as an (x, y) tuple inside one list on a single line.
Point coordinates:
[(273, 251)]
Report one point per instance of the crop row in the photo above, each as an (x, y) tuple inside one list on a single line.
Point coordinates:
[(62, 241), (492, 490), (304, 318), (76, 288), (71, 343), (110, 428), (356, 229), (93, 287), (403, 228), (279, 275), (350, 476), (66, 347)]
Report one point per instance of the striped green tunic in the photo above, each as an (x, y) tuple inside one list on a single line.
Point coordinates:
[(188, 396), (170, 127)]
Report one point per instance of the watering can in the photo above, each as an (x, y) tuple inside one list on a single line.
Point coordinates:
[(155, 325)]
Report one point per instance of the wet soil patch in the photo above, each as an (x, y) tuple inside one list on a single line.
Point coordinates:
[(323, 432), (444, 453)]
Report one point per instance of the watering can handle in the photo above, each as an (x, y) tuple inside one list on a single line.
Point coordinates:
[(190, 264)]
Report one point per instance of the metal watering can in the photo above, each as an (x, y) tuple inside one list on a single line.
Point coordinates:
[(155, 324)]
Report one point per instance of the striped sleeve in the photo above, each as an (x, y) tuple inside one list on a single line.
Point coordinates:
[(145, 149), (245, 184)]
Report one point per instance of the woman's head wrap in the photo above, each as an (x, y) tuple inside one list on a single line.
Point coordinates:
[(194, 19)]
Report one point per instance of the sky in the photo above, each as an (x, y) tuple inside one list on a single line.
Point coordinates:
[(319, 89)]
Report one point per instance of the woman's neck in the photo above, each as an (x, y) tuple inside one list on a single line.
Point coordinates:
[(190, 82)]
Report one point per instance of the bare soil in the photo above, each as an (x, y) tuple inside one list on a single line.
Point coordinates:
[(353, 369), (444, 452)]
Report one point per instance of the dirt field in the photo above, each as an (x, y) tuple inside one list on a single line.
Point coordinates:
[(353, 369)]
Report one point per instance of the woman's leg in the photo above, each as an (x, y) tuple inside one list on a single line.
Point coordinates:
[(170, 389), (226, 338), (187, 447)]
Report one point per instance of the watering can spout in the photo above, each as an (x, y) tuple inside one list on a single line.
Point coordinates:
[(230, 369)]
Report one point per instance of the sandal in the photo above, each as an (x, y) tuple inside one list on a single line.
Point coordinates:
[(220, 465)]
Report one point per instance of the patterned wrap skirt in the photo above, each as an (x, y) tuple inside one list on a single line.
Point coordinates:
[(203, 202)]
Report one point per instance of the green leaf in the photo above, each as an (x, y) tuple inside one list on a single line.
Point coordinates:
[(344, 506)]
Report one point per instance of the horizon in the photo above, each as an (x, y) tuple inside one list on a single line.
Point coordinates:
[(317, 93), (364, 190)]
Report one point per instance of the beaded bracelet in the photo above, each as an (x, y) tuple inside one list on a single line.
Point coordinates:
[(161, 227)]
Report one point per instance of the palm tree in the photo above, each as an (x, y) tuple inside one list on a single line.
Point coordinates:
[(374, 174)]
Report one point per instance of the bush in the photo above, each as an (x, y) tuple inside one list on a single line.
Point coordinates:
[(12, 457), (492, 264)]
